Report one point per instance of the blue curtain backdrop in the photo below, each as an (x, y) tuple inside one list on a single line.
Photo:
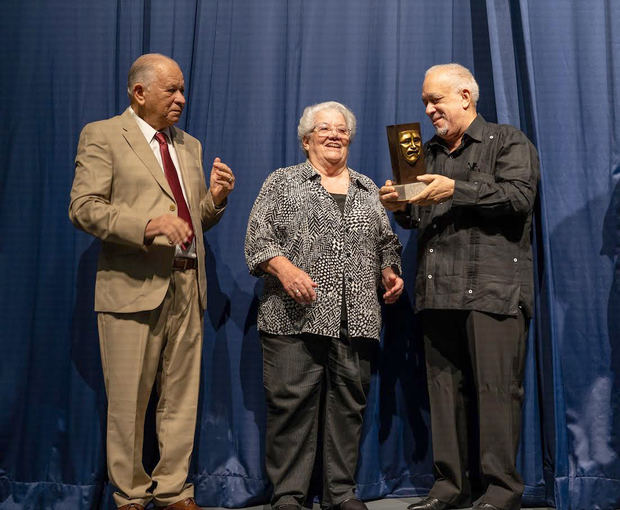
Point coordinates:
[(550, 67)]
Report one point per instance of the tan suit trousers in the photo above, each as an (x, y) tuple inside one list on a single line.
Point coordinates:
[(139, 349)]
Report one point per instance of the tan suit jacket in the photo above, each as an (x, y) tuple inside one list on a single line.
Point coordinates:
[(118, 187)]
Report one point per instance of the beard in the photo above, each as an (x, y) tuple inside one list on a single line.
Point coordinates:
[(441, 131)]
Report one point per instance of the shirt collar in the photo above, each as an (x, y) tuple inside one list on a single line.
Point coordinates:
[(307, 172), (147, 130), (474, 131), (356, 178)]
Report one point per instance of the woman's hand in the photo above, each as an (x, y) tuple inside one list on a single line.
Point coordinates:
[(393, 285), (295, 282)]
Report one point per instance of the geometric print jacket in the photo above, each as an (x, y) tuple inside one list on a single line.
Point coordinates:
[(295, 217)]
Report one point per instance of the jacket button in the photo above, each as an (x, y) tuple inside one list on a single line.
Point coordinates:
[(172, 207)]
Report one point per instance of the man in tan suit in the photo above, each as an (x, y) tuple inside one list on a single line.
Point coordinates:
[(139, 187)]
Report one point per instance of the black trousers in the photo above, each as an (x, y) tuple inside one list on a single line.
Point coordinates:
[(474, 365), (305, 377)]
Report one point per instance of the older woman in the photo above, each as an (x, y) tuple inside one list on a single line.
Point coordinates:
[(319, 236)]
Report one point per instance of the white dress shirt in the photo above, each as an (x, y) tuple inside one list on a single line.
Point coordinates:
[(149, 134)]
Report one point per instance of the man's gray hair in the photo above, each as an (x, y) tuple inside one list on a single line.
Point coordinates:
[(460, 77), (143, 70), (306, 123)]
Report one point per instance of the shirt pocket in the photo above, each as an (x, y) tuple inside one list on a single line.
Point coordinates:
[(479, 176)]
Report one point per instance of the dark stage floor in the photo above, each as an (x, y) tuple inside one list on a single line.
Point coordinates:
[(380, 504)]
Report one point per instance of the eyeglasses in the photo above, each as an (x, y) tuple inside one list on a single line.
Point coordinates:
[(324, 130)]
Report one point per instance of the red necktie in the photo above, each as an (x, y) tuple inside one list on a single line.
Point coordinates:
[(173, 181)]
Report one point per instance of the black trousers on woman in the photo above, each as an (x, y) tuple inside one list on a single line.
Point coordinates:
[(307, 376)]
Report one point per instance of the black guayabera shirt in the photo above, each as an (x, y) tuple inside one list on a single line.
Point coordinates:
[(474, 251), (343, 252)]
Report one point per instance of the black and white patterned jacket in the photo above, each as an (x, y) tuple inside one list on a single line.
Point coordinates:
[(295, 217)]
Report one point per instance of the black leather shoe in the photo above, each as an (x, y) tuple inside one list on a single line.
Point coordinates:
[(486, 506), (353, 504), (429, 504)]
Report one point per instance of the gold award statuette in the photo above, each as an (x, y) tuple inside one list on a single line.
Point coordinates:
[(407, 156)]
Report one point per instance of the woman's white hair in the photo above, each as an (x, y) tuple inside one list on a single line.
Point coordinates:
[(460, 77), (307, 124)]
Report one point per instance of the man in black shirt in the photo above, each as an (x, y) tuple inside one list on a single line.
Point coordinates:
[(474, 288)]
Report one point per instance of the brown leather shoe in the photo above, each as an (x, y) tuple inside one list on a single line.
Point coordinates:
[(131, 506), (184, 504)]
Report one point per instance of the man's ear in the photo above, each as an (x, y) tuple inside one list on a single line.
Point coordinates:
[(465, 99), (138, 93)]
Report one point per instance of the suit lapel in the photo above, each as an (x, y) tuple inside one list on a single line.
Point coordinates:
[(136, 140), (179, 146)]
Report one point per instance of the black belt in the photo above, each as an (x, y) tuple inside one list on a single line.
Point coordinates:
[(183, 263)]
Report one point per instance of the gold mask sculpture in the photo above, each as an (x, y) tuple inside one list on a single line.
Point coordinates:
[(410, 145)]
